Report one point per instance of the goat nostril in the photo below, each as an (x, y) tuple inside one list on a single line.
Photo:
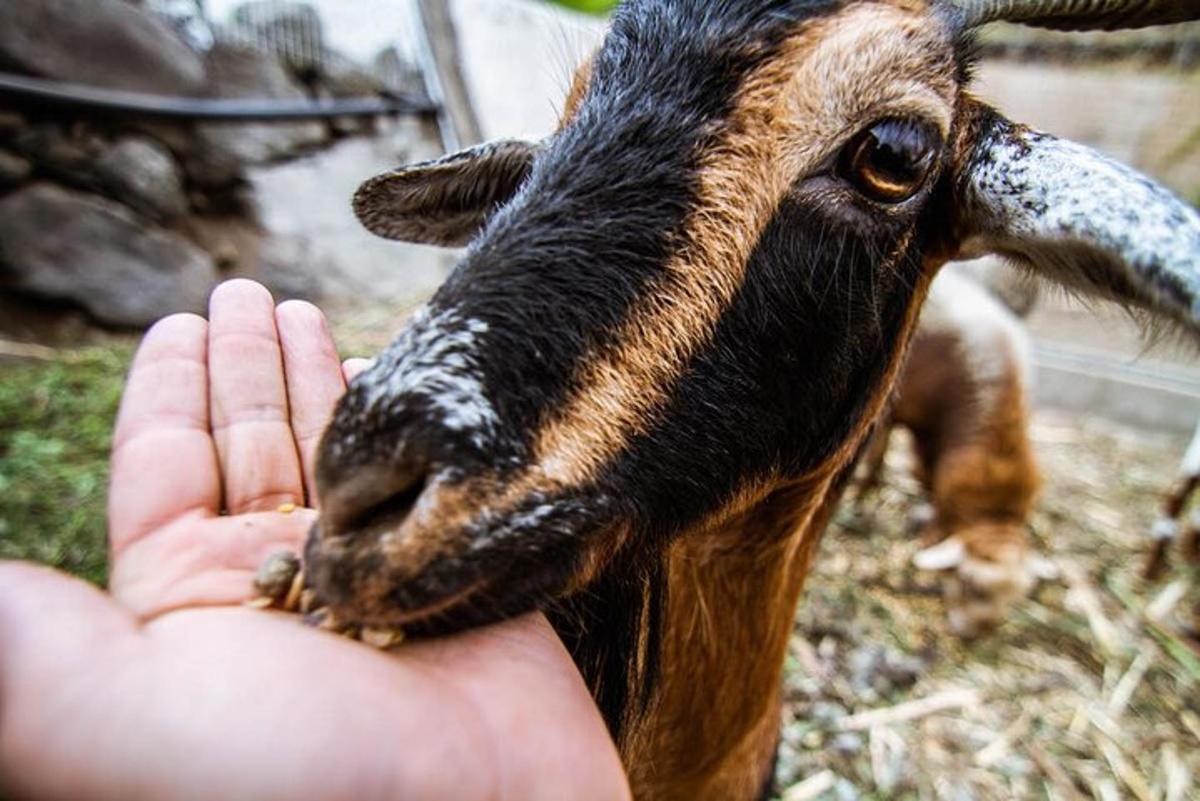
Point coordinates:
[(371, 499), (388, 513)]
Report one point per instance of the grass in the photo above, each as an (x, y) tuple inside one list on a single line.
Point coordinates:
[(56, 422)]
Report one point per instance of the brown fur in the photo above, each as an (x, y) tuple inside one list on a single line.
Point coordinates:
[(1178, 498), (712, 727), (689, 686), (780, 129), (733, 586), (977, 464), (734, 583), (975, 456), (580, 82)]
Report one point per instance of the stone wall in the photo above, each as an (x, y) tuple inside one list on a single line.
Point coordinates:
[(128, 218)]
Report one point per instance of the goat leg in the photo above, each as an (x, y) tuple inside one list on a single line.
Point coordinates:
[(1166, 528)]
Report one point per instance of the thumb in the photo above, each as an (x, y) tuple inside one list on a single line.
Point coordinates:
[(49, 625), (45, 613)]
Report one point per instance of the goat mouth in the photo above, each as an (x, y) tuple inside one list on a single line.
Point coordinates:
[(429, 618), (436, 558), (363, 579)]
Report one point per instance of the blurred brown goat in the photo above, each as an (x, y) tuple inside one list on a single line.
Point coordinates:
[(964, 396)]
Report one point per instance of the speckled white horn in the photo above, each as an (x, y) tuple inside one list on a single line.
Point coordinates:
[(1076, 15), (1079, 218)]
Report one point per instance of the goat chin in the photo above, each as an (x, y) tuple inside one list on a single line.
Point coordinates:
[(982, 593), (982, 588)]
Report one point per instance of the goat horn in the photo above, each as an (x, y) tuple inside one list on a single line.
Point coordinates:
[(1077, 15)]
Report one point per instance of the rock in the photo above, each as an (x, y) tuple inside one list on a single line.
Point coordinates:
[(11, 123), (847, 744), (135, 170), (890, 759), (827, 713), (186, 18), (81, 248), (882, 671), (143, 175), (65, 155), (289, 268), (789, 764), (844, 790), (223, 149), (14, 170), (175, 136), (106, 43)]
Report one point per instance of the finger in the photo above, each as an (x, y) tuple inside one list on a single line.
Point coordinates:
[(164, 465), (251, 420), (314, 379), (179, 569), (353, 368)]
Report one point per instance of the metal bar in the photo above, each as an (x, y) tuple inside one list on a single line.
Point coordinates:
[(260, 110), (432, 82), (440, 62)]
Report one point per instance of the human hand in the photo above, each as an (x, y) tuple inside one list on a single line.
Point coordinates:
[(169, 688)]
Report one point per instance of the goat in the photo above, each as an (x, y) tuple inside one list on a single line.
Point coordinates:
[(963, 394), (637, 399), (1166, 528)]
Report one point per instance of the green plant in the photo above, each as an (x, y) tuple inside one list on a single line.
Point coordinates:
[(589, 6)]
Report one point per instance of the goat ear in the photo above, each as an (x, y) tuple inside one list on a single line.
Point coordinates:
[(446, 201), (1076, 217)]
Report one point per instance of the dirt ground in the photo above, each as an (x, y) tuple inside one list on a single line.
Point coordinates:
[(1083, 693)]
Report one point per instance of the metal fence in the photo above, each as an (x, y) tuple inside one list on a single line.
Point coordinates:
[(288, 30)]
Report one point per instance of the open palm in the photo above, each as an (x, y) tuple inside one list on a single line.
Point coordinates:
[(169, 688)]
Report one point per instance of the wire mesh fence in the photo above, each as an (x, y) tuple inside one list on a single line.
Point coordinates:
[(310, 38), (1172, 46)]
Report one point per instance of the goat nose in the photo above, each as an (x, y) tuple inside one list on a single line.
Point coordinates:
[(368, 498)]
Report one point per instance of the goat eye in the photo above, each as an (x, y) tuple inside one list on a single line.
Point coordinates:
[(889, 161)]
